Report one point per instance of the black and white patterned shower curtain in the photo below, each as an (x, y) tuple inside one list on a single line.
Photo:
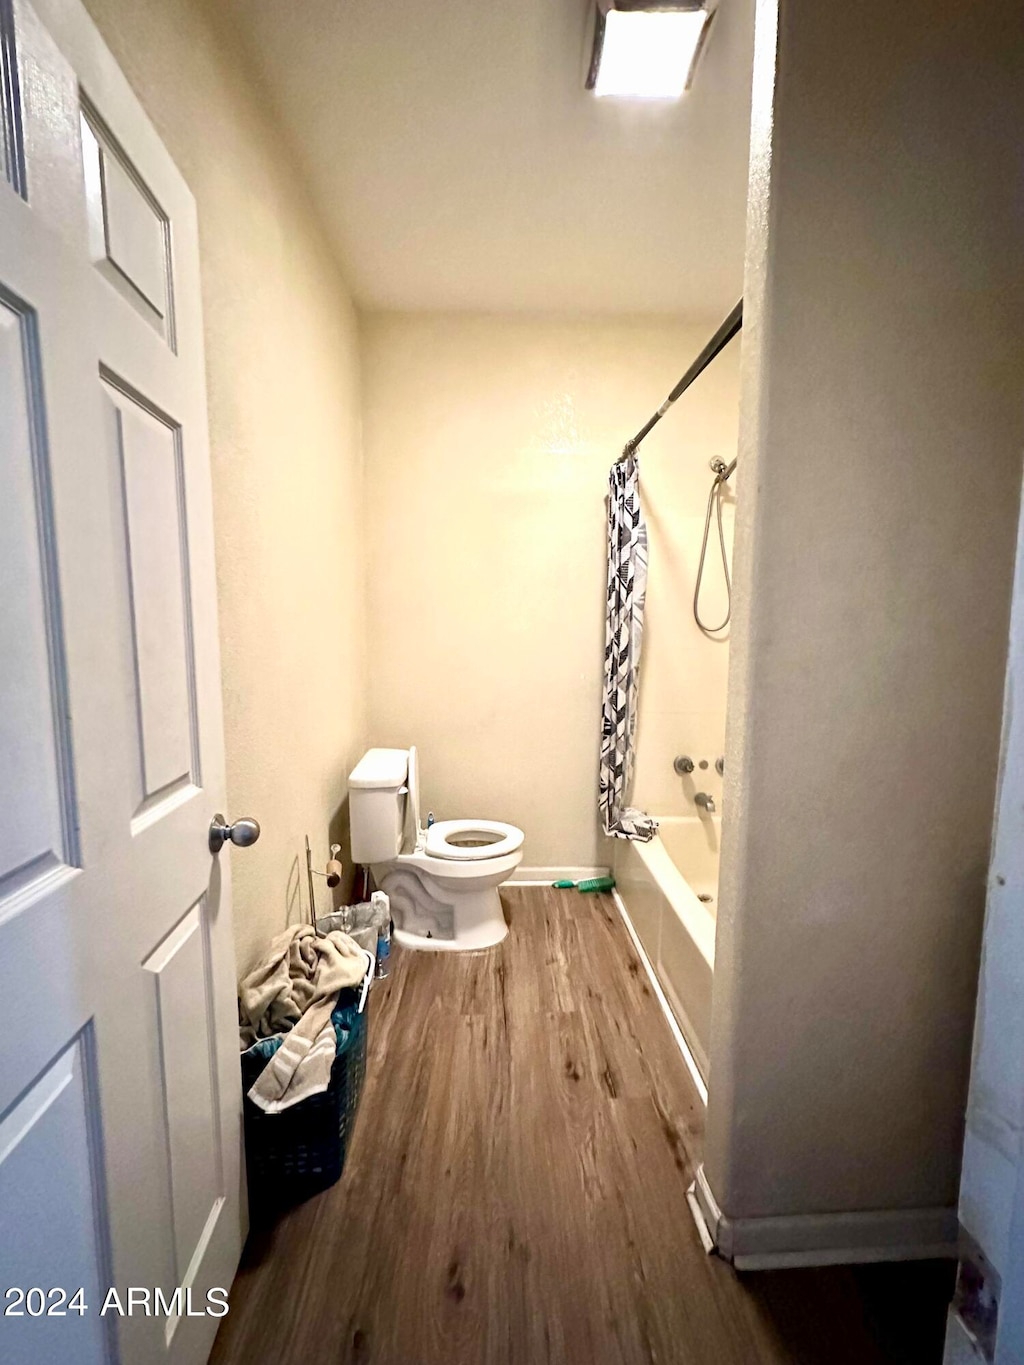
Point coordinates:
[(627, 587)]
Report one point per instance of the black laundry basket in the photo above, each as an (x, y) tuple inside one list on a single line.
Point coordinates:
[(297, 1152)]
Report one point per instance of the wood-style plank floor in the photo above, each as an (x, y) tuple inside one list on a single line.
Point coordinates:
[(515, 1191)]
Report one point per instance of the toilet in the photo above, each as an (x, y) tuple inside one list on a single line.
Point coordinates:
[(443, 880)]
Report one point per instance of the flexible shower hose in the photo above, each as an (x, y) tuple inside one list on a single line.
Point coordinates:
[(714, 503)]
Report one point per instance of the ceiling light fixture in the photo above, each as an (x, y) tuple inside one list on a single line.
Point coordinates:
[(645, 50)]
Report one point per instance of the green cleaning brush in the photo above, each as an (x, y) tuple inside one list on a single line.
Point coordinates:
[(589, 884)]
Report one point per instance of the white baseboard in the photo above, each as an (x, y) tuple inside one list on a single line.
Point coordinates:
[(790, 1241), (961, 1348), (544, 876)]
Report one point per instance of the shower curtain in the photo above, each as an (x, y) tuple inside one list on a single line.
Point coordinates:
[(627, 587)]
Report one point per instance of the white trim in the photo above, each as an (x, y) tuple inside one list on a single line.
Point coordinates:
[(697, 1213), (673, 1022), (788, 1241), (961, 1347), (544, 876)]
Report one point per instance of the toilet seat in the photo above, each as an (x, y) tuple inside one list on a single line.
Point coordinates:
[(472, 840)]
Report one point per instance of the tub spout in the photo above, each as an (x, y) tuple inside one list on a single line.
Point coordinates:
[(707, 802)]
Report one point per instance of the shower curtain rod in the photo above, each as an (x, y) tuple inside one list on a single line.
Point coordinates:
[(718, 342)]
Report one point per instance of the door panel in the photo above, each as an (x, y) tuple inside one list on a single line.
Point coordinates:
[(12, 148), (148, 453), (53, 1212), (129, 233), (182, 993), (120, 1105), (36, 831)]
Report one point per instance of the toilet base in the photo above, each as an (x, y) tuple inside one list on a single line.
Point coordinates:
[(441, 918), (419, 943)]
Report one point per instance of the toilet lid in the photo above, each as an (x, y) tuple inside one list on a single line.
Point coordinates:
[(411, 831), (466, 840)]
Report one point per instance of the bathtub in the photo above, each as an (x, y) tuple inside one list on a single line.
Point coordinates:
[(661, 884)]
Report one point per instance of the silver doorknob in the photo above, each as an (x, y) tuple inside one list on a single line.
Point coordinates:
[(242, 833)]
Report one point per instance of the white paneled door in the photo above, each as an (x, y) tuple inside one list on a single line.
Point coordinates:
[(119, 1089)]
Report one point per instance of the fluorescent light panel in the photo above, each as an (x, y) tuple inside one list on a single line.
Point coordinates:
[(648, 54)]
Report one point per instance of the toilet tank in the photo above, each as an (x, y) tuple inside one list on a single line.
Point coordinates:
[(376, 802)]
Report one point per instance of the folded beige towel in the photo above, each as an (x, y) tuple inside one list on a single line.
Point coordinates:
[(294, 990)]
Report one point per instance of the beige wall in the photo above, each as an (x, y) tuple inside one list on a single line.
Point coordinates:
[(488, 442), (282, 369), (881, 437)]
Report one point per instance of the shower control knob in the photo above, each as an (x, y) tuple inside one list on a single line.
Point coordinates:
[(683, 765), (241, 833)]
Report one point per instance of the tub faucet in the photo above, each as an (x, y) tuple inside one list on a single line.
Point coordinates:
[(708, 802)]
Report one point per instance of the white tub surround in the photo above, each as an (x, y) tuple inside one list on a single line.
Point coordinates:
[(660, 884)]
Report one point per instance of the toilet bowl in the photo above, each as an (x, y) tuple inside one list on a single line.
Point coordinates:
[(442, 880)]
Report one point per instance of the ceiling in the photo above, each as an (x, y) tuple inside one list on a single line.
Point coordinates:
[(459, 164)]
